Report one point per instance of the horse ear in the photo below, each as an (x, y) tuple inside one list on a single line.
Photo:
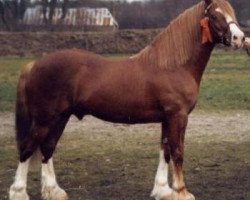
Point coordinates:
[(208, 2)]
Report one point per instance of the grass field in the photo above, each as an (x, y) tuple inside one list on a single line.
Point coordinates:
[(226, 82)]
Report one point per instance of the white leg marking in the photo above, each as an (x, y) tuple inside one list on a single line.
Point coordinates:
[(50, 188), (18, 188), (161, 186), (178, 179), (178, 184)]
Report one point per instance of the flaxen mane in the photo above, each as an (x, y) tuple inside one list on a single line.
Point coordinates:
[(176, 45), (226, 8)]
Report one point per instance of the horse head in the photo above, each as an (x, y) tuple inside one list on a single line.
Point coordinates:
[(223, 24)]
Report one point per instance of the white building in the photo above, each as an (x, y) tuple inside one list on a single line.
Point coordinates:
[(74, 17)]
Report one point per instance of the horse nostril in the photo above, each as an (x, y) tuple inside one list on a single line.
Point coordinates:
[(243, 39), (235, 37)]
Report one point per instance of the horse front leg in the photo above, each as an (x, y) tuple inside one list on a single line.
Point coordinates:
[(161, 188), (177, 128)]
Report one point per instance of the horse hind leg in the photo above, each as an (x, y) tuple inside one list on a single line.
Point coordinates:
[(50, 188), (18, 188), (27, 145), (39, 145)]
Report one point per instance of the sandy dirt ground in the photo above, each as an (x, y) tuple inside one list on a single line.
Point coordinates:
[(231, 126), (101, 160)]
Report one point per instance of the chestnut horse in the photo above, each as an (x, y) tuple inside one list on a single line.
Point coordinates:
[(159, 84)]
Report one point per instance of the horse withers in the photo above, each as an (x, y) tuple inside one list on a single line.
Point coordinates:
[(159, 84)]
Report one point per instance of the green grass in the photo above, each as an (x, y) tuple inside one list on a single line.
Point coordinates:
[(9, 72), (225, 85), (226, 82)]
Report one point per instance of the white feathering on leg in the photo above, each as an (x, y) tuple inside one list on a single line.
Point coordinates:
[(18, 188), (161, 187)]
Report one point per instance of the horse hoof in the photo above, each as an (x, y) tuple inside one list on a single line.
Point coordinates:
[(161, 192), (18, 193), (169, 197), (54, 193), (185, 195)]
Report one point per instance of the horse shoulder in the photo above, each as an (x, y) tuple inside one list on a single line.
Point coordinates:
[(175, 91)]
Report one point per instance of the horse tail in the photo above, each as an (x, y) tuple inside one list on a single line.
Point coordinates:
[(23, 119)]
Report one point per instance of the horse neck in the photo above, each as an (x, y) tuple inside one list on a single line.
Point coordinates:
[(198, 63), (179, 45)]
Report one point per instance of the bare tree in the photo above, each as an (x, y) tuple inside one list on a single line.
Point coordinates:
[(65, 5), (49, 8), (2, 15), (52, 7), (12, 12)]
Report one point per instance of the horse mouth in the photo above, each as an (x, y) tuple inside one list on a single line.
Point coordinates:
[(237, 45)]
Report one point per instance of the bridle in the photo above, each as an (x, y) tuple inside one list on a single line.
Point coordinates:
[(225, 37)]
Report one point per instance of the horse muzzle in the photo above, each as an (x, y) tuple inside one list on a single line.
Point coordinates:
[(237, 36)]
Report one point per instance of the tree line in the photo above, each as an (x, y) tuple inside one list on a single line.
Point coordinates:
[(149, 14)]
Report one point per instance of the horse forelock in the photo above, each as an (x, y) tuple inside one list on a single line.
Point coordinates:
[(226, 8)]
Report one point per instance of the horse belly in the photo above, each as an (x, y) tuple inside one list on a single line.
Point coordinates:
[(124, 112), (130, 118)]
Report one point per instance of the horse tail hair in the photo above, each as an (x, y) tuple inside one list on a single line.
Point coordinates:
[(23, 119)]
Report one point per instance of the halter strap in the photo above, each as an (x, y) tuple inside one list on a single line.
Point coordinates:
[(208, 7), (233, 22)]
